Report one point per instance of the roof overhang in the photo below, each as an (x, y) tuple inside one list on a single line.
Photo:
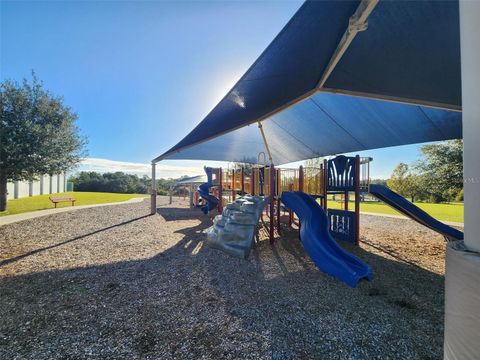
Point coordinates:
[(341, 76)]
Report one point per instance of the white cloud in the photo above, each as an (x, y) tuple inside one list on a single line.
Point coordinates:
[(163, 170)]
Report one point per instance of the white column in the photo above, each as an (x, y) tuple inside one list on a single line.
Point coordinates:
[(153, 196), (462, 276), (190, 193), (470, 48)]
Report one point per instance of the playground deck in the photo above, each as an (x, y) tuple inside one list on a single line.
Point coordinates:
[(116, 282)]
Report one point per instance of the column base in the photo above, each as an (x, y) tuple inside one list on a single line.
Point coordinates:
[(462, 303)]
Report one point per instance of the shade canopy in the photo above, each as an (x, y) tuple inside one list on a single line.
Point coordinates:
[(341, 76), (193, 180)]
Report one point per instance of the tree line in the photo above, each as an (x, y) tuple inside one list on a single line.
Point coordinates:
[(120, 182), (436, 177)]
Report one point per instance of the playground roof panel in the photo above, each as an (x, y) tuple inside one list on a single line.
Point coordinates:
[(193, 180), (411, 50), (320, 126), (409, 54)]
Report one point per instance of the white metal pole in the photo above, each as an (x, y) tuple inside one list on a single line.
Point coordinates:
[(260, 126), (462, 273), (191, 195), (153, 194), (358, 22), (470, 50)]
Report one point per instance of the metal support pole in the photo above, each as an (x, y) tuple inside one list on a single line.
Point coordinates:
[(265, 142), (220, 191), (272, 204), (300, 178), (243, 180), (252, 182), (357, 22), (290, 212), (278, 192), (325, 184), (357, 199), (191, 190), (153, 193), (462, 269), (279, 213), (233, 185)]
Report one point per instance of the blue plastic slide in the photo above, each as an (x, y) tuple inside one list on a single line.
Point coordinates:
[(204, 192), (404, 206), (319, 243)]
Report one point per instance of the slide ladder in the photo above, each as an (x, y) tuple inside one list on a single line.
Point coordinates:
[(319, 243)]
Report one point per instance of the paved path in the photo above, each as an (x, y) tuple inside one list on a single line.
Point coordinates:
[(4, 220), (451, 223)]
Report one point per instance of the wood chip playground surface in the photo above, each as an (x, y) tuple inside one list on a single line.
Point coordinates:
[(114, 282)]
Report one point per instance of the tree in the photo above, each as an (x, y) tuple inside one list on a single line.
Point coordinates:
[(247, 167), (399, 181), (38, 134), (415, 187), (117, 182), (314, 162), (442, 168), (407, 183)]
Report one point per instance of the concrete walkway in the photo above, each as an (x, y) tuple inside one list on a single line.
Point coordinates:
[(4, 220), (451, 223)]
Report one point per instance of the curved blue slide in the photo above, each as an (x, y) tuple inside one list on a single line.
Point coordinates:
[(319, 243), (204, 192), (404, 206)]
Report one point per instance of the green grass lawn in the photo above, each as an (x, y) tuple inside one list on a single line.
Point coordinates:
[(42, 202), (443, 212)]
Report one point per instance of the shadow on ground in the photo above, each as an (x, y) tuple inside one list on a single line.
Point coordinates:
[(192, 301)]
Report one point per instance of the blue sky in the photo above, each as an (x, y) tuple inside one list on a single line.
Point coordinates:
[(141, 75)]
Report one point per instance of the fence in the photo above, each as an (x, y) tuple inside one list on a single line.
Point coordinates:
[(46, 184)]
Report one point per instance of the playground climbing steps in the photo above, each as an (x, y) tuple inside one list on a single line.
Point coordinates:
[(234, 229)]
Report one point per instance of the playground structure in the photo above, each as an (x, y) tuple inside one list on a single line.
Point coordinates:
[(338, 92), (271, 182), (296, 196), (301, 197), (211, 201)]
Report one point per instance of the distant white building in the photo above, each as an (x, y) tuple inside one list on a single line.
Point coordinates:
[(45, 185)]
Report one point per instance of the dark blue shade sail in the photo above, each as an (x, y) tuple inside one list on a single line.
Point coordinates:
[(328, 124), (409, 55)]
